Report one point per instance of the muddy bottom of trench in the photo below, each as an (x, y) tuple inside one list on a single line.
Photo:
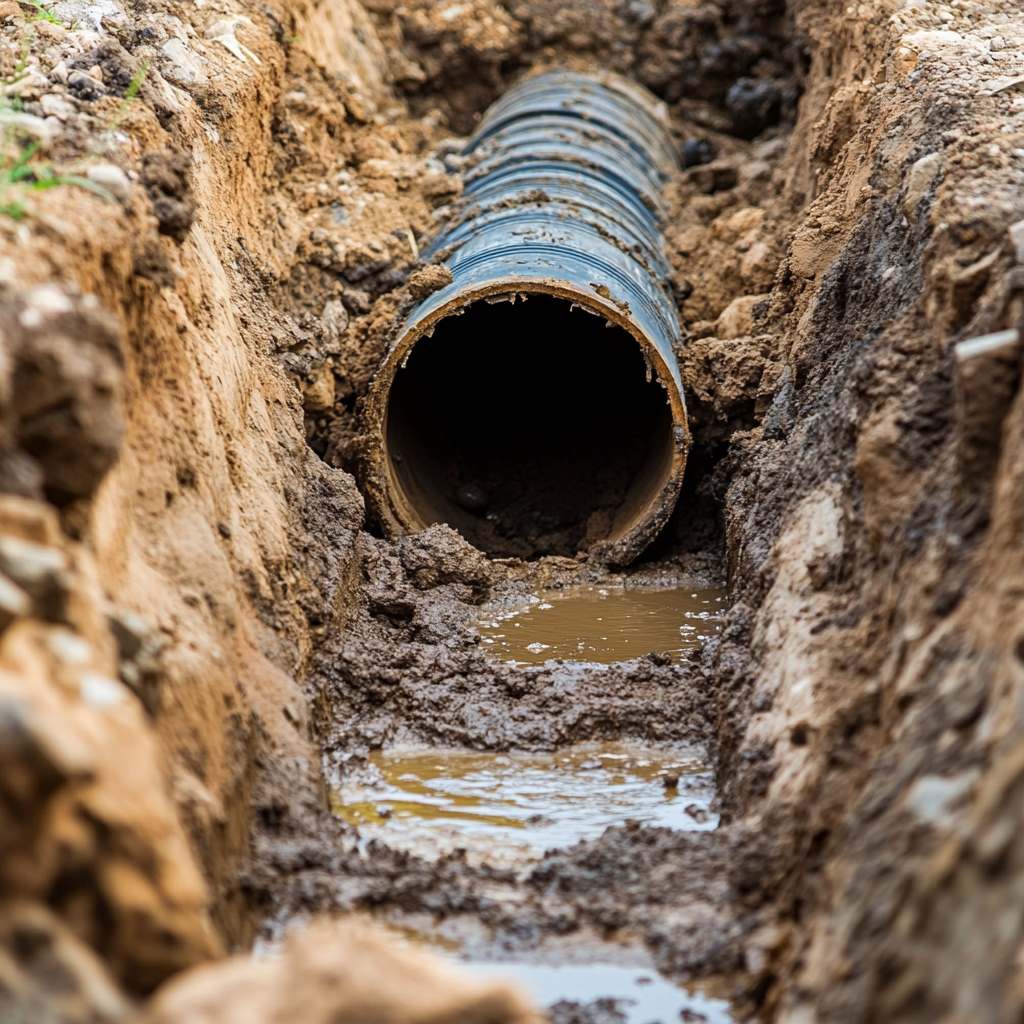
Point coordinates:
[(507, 809)]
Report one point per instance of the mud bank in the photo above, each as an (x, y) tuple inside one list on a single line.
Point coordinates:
[(201, 632)]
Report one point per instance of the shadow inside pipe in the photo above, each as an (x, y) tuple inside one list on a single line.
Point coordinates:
[(533, 428)]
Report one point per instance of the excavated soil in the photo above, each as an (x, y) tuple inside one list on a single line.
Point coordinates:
[(211, 219)]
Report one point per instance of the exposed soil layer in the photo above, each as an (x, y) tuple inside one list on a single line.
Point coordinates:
[(210, 227)]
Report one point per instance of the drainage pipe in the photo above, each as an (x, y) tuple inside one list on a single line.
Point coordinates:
[(534, 403)]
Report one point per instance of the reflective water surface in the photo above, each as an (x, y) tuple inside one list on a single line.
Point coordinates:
[(641, 996), (504, 807), (601, 625)]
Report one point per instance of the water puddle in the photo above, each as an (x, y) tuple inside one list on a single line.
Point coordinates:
[(639, 996), (594, 980), (504, 808), (602, 625)]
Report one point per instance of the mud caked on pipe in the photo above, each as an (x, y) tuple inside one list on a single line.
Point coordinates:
[(534, 403)]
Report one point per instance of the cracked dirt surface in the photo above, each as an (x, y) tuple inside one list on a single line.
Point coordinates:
[(216, 235)]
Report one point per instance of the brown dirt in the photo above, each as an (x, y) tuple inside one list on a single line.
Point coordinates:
[(198, 627)]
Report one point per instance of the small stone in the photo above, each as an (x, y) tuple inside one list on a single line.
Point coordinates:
[(39, 571), (84, 87), (100, 692), (696, 152), (60, 107), (335, 320), (9, 9), (130, 633), (919, 181), (737, 319), (755, 104), (697, 813), (112, 178), (182, 66), (14, 602), (318, 395), (717, 176), (472, 497), (670, 782)]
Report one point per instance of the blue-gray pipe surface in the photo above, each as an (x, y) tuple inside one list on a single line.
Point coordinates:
[(562, 210)]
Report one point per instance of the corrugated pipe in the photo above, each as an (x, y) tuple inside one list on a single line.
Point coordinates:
[(535, 402)]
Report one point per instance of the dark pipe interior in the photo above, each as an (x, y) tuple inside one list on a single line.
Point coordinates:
[(530, 427)]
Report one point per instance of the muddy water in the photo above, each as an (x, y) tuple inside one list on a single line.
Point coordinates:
[(607, 982), (601, 625), (641, 996), (512, 807), (507, 809)]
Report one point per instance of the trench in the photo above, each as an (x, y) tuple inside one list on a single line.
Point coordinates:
[(518, 733), (484, 761), (639, 795)]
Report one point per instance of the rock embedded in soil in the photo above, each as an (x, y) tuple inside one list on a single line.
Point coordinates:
[(165, 176)]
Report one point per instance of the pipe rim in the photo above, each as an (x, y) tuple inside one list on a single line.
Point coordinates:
[(384, 491)]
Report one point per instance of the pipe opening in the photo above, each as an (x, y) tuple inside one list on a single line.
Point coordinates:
[(533, 428)]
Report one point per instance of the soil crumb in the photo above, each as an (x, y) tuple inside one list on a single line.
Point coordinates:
[(603, 625)]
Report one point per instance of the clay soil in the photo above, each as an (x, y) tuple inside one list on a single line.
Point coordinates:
[(211, 217)]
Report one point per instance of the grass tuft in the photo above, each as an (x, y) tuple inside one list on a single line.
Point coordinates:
[(41, 12)]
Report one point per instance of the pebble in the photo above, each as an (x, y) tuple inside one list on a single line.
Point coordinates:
[(45, 131), (1017, 238), (60, 107), (697, 151), (920, 180), (737, 319), (472, 497), (85, 87), (182, 66), (100, 692), (112, 178), (37, 570), (755, 104), (335, 321), (14, 602)]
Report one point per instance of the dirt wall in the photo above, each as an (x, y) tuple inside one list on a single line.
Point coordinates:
[(189, 546), (869, 518)]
